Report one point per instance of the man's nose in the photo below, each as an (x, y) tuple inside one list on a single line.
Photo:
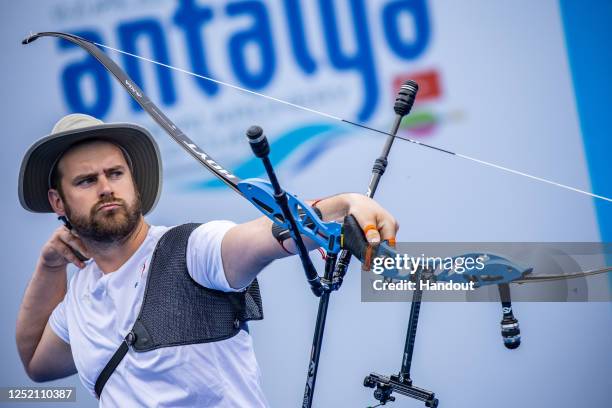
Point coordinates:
[(104, 186)]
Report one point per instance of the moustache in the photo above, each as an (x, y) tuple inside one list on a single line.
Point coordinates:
[(106, 202)]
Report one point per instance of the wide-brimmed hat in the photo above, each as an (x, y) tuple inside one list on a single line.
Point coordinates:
[(41, 158)]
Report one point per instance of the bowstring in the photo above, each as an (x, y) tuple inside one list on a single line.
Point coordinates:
[(360, 125)]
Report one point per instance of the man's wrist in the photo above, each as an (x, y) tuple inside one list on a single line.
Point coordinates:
[(46, 269), (350, 199), (346, 203)]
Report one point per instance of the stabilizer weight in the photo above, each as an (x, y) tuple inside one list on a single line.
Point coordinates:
[(510, 331)]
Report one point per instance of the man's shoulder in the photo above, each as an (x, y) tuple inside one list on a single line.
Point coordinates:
[(156, 231), (204, 234), (201, 228)]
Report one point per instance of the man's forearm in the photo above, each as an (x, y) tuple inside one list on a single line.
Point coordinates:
[(46, 290)]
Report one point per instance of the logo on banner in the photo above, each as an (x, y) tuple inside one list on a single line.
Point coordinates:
[(191, 18)]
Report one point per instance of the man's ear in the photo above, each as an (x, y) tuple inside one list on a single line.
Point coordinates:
[(56, 201)]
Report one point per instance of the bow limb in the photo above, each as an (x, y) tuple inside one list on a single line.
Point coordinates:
[(548, 278), (156, 114)]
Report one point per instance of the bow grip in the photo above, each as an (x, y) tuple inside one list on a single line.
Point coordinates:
[(354, 240)]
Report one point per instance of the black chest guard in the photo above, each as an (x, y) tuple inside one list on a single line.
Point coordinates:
[(176, 310)]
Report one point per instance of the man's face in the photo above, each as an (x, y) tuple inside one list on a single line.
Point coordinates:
[(98, 193)]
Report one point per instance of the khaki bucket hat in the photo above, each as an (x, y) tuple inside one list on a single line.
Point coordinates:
[(42, 157)]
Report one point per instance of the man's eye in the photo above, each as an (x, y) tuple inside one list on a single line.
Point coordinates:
[(85, 181), (116, 173)]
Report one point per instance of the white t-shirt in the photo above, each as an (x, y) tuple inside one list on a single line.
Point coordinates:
[(99, 310)]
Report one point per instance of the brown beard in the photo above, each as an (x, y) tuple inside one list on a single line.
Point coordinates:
[(107, 226)]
